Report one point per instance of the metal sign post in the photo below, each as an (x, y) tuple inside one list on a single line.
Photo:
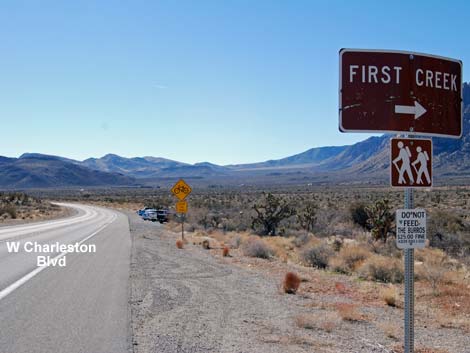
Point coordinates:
[(409, 285), (411, 93), (181, 190)]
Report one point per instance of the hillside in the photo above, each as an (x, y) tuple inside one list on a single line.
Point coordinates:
[(41, 171)]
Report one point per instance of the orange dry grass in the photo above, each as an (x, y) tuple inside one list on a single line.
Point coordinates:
[(179, 244), (348, 312), (225, 251), (291, 283)]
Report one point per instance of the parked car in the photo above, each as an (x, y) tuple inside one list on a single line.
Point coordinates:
[(142, 211), (162, 216), (150, 215)]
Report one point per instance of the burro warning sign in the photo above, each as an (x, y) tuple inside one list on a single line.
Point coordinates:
[(397, 91), (411, 228)]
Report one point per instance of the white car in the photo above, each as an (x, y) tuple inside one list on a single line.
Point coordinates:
[(150, 215)]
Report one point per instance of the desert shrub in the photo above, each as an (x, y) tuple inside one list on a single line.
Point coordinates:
[(10, 210), (389, 296), (317, 256), (255, 247), (349, 258), (382, 269), (291, 283), (359, 215), (269, 213), (348, 312), (179, 244), (448, 232), (225, 251), (380, 219), (236, 241), (205, 244), (387, 248), (324, 321), (434, 268), (308, 216)]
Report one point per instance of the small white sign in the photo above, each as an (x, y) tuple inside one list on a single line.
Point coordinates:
[(411, 228)]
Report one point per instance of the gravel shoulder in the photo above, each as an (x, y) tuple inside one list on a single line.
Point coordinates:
[(188, 300)]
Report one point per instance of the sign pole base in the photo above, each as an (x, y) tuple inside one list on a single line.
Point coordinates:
[(409, 286)]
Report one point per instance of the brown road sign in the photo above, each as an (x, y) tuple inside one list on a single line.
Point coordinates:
[(182, 207), (410, 162), (395, 91), (181, 189)]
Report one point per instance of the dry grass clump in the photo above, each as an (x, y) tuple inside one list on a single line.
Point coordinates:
[(382, 269), (435, 268), (349, 258), (390, 330), (326, 322), (389, 296), (349, 312), (205, 244), (291, 283), (179, 244), (255, 247), (225, 251)]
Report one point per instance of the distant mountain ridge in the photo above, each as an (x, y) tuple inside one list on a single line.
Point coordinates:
[(365, 161)]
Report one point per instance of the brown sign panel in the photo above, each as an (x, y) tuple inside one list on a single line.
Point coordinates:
[(391, 91), (410, 162)]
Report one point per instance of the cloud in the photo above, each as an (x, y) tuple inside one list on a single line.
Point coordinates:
[(159, 86)]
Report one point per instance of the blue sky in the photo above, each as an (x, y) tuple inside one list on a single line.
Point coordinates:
[(219, 81)]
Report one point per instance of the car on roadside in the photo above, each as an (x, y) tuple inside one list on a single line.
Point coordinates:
[(142, 211), (162, 216), (150, 215)]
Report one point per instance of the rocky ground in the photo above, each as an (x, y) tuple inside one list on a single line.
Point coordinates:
[(195, 300)]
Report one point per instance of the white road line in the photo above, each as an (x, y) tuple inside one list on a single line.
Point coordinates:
[(12, 287)]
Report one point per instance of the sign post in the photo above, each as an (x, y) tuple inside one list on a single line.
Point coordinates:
[(412, 94), (181, 190), (409, 285)]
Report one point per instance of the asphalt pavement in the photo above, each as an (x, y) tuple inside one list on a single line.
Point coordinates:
[(81, 307)]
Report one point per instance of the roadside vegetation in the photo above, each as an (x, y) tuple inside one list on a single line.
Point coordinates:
[(335, 242), (18, 207)]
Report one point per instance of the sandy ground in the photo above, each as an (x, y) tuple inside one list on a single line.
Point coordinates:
[(190, 300)]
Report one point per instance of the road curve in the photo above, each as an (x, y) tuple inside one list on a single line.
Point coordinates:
[(82, 307)]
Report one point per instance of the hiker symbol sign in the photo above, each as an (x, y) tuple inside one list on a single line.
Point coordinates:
[(411, 162)]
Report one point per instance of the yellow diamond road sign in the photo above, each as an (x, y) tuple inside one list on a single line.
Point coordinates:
[(181, 189)]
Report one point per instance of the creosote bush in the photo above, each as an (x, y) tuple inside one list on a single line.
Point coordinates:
[(255, 247), (291, 283)]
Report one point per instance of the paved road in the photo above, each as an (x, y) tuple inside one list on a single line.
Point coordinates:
[(82, 307)]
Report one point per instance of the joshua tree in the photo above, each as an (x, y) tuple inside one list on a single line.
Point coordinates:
[(308, 217), (380, 219), (270, 212)]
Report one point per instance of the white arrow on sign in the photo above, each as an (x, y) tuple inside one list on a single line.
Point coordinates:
[(417, 110)]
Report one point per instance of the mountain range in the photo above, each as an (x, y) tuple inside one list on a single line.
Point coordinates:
[(366, 162)]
